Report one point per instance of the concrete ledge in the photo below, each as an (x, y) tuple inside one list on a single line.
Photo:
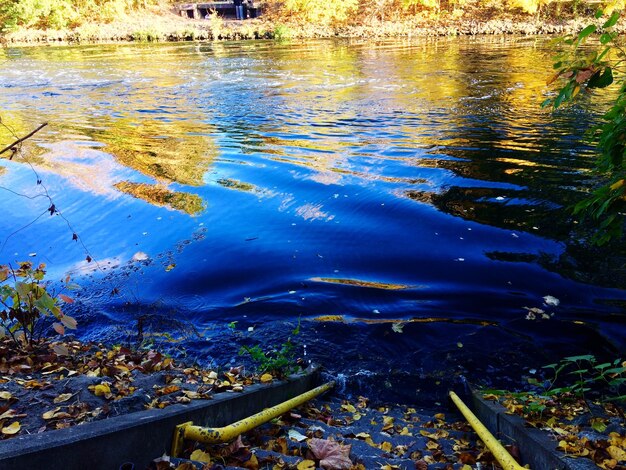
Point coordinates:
[(535, 446), (142, 436)]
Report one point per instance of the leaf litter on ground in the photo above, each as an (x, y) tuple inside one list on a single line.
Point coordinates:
[(58, 384), (335, 433)]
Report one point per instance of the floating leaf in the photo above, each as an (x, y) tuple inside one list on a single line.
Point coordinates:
[(266, 378), (551, 301), (5, 395), (397, 327), (66, 299)]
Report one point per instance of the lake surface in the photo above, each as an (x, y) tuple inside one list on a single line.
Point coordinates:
[(263, 182)]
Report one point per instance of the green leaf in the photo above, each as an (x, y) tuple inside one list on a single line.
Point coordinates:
[(45, 302), (546, 103), (612, 21), (605, 38), (586, 357), (586, 32), (601, 79), (598, 13), (598, 425)]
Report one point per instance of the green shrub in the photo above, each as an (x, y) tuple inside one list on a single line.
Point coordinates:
[(26, 301)]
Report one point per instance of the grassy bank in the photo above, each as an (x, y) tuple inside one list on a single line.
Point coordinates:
[(162, 25)]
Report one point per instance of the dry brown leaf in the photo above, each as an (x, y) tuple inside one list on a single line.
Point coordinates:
[(332, 455)]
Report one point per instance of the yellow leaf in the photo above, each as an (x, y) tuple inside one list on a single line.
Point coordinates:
[(266, 378), (387, 422), (386, 446), (63, 397), (306, 465), (50, 414), (440, 416), (170, 267), (5, 395), (13, 428), (618, 184), (466, 467), (349, 408), (200, 456), (362, 435), (616, 453), (432, 445), (101, 389), (405, 432)]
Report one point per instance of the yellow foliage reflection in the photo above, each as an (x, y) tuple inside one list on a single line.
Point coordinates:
[(166, 151), (185, 202)]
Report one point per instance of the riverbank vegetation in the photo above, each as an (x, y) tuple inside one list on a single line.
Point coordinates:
[(154, 20)]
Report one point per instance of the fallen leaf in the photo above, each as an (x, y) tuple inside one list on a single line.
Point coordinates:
[(615, 453), (61, 350), (50, 414), (200, 456), (266, 378), (5, 395), (101, 389), (60, 329), (13, 428), (348, 407), (296, 436), (62, 398), (306, 465), (332, 455)]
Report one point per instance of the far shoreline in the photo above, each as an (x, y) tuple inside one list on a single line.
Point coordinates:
[(169, 27)]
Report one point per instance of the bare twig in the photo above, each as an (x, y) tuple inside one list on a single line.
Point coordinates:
[(23, 138)]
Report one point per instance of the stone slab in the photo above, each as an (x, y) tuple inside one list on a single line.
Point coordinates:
[(141, 436), (537, 448)]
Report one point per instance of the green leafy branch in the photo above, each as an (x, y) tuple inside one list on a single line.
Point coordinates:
[(25, 301), (580, 69)]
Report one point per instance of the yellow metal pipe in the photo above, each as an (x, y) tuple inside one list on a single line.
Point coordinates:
[(230, 432), (499, 452)]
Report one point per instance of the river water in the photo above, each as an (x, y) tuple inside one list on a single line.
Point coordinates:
[(261, 183)]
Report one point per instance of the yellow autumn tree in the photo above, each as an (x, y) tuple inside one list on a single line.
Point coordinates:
[(321, 11), (529, 6)]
